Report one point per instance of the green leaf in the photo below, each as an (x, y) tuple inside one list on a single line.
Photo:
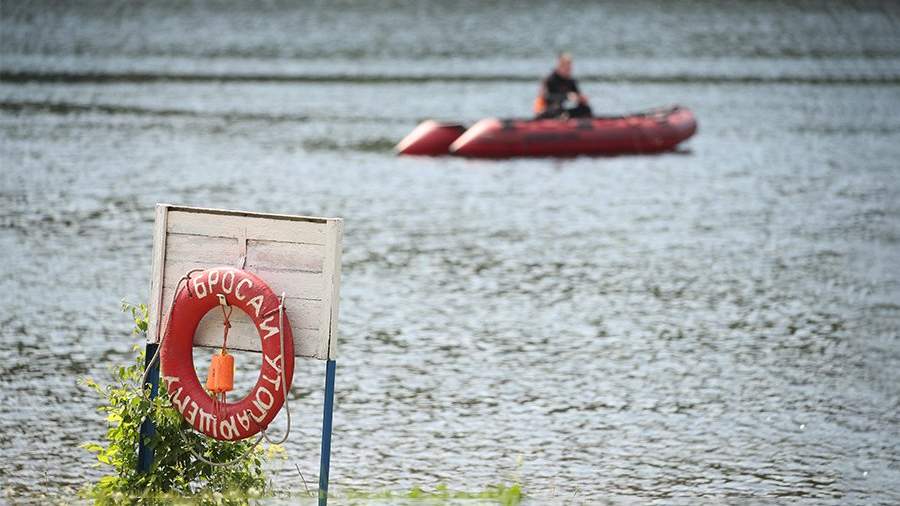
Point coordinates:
[(92, 447)]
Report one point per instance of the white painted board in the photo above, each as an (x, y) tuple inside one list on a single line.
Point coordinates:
[(297, 255)]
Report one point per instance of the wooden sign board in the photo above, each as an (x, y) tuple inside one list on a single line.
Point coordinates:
[(297, 255)]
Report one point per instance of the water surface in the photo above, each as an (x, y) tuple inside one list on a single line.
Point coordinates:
[(720, 324)]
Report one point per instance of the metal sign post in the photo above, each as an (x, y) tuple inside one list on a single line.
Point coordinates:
[(298, 256), (148, 429), (325, 462)]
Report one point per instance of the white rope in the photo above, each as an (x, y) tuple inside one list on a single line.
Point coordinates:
[(287, 407)]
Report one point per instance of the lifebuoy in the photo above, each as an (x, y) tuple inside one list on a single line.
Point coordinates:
[(246, 291)]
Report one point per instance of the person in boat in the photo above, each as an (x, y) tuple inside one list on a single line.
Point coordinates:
[(559, 96)]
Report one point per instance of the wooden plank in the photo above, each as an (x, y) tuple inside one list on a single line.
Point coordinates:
[(297, 284), (201, 248), (304, 313), (325, 329), (305, 340), (156, 273), (334, 252), (253, 228), (264, 255), (253, 214), (260, 254)]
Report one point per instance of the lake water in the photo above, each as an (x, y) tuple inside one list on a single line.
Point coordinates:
[(716, 325)]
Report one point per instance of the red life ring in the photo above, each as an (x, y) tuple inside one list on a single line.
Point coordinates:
[(230, 421)]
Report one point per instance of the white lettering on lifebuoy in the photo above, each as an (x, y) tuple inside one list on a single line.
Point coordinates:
[(227, 282), (244, 419), (275, 381), (170, 379), (237, 289), (271, 331), (199, 288), (183, 403), (256, 302), (192, 415), (275, 363), (258, 402), (212, 278), (207, 423), (231, 427), (261, 417)]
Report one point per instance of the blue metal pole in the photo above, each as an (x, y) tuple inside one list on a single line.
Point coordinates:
[(325, 463), (148, 428)]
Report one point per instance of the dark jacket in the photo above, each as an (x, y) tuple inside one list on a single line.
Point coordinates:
[(556, 89)]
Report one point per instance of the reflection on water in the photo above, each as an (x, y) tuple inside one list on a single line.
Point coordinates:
[(721, 324)]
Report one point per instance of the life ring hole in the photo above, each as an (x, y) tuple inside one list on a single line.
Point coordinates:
[(208, 342), (247, 365)]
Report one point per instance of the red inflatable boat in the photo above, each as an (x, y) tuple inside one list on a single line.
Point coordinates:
[(653, 131)]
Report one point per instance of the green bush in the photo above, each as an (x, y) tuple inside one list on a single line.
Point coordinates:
[(175, 472)]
